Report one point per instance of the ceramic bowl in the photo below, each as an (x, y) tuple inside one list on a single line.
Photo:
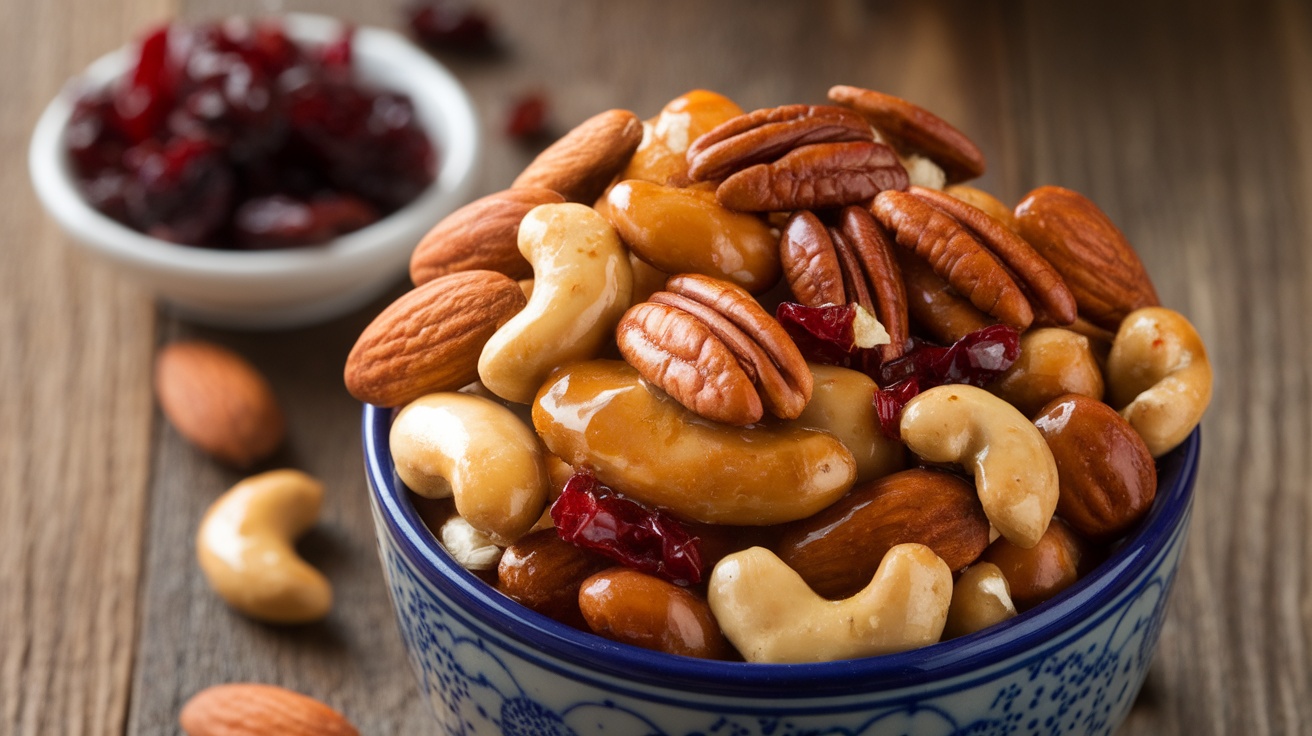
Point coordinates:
[(487, 665), (288, 287)]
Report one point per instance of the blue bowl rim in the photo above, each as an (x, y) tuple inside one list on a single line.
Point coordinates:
[(1030, 631)]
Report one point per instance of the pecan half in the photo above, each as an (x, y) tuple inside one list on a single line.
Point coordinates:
[(915, 129), (714, 349), (933, 305), (765, 135), (815, 176), (853, 262)]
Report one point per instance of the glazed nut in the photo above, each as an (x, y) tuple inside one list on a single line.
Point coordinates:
[(642, 610), (1014, 471), (477, 452), (980, 599), (767, 611), (429, 339), (584, 161), (582, 283), (1037, 573), (245, 548), (479, 236), (913, 128), (1159, 376), (1108, 477), (688, 231), (1053, 362), (815, 176), (714, 349), (662, 157), (600, 414), (543, 572), (842, 404), (765, 135), (933, 305), (251, 709), (837, 550), (471, 549)]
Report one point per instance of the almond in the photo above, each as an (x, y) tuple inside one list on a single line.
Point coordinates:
[(1092, 255), (838, 550), (482, 235), (219, 402), (430, 339), (1036, 574), (584, 161), (543, 572), (249, 709)]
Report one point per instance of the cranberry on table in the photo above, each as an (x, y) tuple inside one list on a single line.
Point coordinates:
[(450, 25)]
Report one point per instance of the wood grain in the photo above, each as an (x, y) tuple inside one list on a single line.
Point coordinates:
[(1190, 124)]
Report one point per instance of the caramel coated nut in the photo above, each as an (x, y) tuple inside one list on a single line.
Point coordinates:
[(1108, 477), (1098, 264), (1037, 573), (662, 158), (980, 599), (842, 404), (245, 547), (1159, 375), (688, 231), (634, 608), (641, 442), (1053, 362), (544, 572), (712, 347), (765, 135), (1015, 474), (584, 161), (933, 305), (955, 254), (916, 129), (582, 283), (479, 236), (429, 339), (767, 611), (815, 176), (837, 550), (476, 451)]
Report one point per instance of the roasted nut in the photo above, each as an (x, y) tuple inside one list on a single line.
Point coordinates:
[(639, 441), (1053, 362), (249, 709), (843, 404), (765, 135), (1038, 573), (984, 201), (644, 611), (1159, 375), (767, 611), (584, 161), (429, 339), (245, 548), (471, 549), (688, 231), (543, 572), (710, 345), (837, 550), (915, 129), (647, 279), (582, 283), (479, 236), (662, 157), (1013, 468), (1106, 277), (932, 304), (815, 176), (1108, 478), (980, 599)]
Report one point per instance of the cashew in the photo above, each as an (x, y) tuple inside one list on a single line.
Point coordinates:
[(245, 548), (1159, 376), (1015, 474), (472, 549), (477, 451), (582, 283), (980, 599), (842, 404), (770, 615)]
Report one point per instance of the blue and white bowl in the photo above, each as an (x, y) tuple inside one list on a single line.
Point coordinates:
[(487, 665)]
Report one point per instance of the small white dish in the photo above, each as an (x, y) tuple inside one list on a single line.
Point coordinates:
[(275, 289)]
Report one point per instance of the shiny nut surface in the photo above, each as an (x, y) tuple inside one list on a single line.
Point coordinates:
[(1038, 573), (644, 444), (842, 404), (1053, 362), (662, 156), (543, 572), (635, 608), (980, 599)]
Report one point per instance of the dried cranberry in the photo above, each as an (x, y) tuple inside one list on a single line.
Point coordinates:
[(336, 56), (180, 191), (451, 25), (142, 101), (832, 334), (592, 516), (528, 117), (889, 403)]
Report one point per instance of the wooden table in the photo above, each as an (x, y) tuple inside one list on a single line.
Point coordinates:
[(1191, 126)]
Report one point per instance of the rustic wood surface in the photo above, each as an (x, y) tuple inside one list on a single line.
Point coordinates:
[(1191, 124)]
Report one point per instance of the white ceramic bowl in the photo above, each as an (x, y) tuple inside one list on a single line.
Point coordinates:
[(276, 288)]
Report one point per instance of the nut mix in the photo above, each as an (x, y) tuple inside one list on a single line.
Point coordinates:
[(860, 395)]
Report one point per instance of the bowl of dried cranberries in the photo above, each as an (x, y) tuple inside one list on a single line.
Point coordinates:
[(264, 173)]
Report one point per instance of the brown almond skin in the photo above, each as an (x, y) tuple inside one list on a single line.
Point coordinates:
[(634, 608), (219, 402), (1107, 476), (481, 236), (1034, 575), (838, 550), (543, 572), (1098, 264), (250, 709), (430, 339), (584, 161)]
